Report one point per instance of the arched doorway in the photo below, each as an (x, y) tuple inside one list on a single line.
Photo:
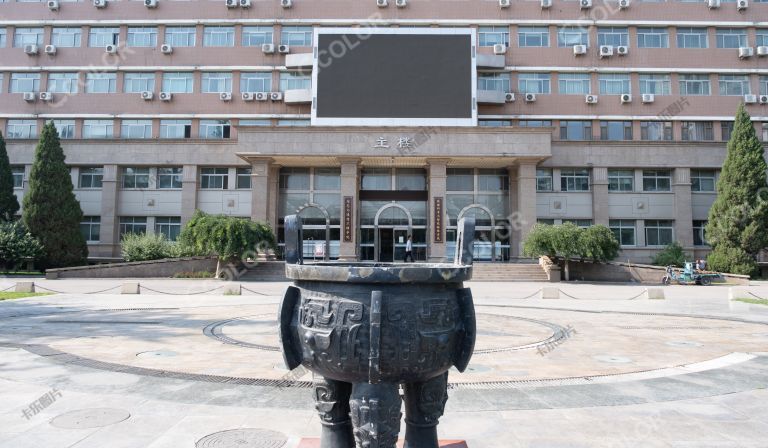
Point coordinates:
[(392, 225), (316, 231)]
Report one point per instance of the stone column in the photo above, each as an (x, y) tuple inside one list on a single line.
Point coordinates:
[(260, 174), (525, 218), (514, 248), (188, 192), (681, 186), (600, 196), (436, 230), (108, 234), (350, 200), (274, 196)]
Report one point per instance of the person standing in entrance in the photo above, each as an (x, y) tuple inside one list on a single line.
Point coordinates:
[(408, 250)]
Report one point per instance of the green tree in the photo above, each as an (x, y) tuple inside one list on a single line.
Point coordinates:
[(51, 211), (17, 245), (568, 241), (598, 243), (739, 216), (9, 205), (672, 255)]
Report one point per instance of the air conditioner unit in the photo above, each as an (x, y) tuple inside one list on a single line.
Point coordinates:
[(763, 99), (286, 3), (111, 49), (261, 96), (499, 49), (31, 49), (546, 4), (606, 51), (624, 4), (626, 98), (713, 4), (268, 48), (530, 97), (247, 96), (509, 97), (147, 95), (585, 4), (225, 96), (30, 96), (166, 49), (742, 5), (276, 96), (505, 3), (762, 50), (285, 49), (590, 99), (100, 3), (50, 49), (382, 3), (245, 3), (166, 96), (750, 99), (53, 5), (579, 49), (150, 3), (46, 96), (648, 98), (746, 52), (401, 3), (622, 50), (232, 3)]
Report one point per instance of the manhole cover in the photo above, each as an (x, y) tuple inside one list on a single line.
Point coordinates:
[(90, 418), (613, 359), (243, 438), (157, 354), (683, 344)]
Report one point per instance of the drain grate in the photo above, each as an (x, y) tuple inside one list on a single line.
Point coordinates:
[(243, 438), (90, 418)]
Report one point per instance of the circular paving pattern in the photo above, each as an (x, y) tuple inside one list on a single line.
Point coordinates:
[(243, 438), (90, 418)]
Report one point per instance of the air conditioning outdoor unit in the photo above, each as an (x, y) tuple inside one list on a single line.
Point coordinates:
[(626, 98), (166, 49), (231, 3), (648, 98), (590, 99), (762, 50), (46, 96), (742, 5), (247, 96), (382, 3), (276, 96), (622, 50), (30, 96), (499, 49), (546, 4), (100, 3), (268, 48), (624, 4), (286, 3), (225, 96), (147, 95), (509, 97), (585, 4), (530, 97), (245, 3), (53, 5), (284, 49), (579, 49), (763, 99), (166, 96), (746, 52), (505, 3), (50, 49), (261, 96), (401, 3), (606, 51), (31, 49), (750, 99), (713, 4), (150, 3), (111, 49)]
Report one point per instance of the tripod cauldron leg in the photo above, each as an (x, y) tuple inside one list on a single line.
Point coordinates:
[(376, 414), (424, 405), (332, 404)]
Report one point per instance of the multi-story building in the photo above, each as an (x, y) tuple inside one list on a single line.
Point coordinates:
[(612, 113)]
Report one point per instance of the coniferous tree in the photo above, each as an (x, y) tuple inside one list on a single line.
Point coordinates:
[(738, 220), (9, 205), (51, 211)]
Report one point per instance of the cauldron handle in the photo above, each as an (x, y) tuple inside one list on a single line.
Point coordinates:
[(465, 242), (294, 240)]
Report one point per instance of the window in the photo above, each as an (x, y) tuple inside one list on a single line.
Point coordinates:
[(731, 38), (493, 123), (699, 237), (765, 131), (169, 177), (534, 123), (136, 129), (655, 84), (98, 129), (27, 36), (295, 81), (498, 82), (18, 176), (657, 180), (544, 179), (534, 83), (621, 180), (21, 129), (243, 178), (299, 123), (652, 38), (703, 181), (488, 180), (658, 232), (613, 35), (568, 36), (3, 38), (296, 36), (623, 230), (694, 85), (546, 221), (656, 130), (65, 128), (726, 128), (90, 227), (734, 85), (180, 36), (62, 83), (133, 177), (214, 129), (614, 84), (615, 130), (692, 38), (170, 226), (219, 36), (296, 179), (533, 36), (142, 37), (381, 179), (133, 224), (217, 82), (100, 82), (138, 82), (175, 128), (574, 83), (25, 82), (489, 36), (255, 36), (255, 82), (575, 130), (178, 82), (583, 223), (66, 37), (574, 180), (90, 177), (265, 122), (327, 179), (101, 37), (763, 85), (214, 178), (697, 130), (761, 37)]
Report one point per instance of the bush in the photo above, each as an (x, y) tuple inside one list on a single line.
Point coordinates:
[(17, 245), (144, 247), (672, 255), (733, 260), (598, 243)]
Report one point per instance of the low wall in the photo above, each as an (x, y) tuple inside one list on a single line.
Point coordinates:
[(137, 269), (626, 272)]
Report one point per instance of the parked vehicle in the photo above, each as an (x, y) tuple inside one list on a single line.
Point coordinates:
[(690, 276)]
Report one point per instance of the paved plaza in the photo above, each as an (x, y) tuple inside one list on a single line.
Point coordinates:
[(184, 365)]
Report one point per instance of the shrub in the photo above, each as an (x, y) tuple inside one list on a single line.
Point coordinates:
[(598, 243), (17, 244), (733, 260), (144, 247), (672, 255)]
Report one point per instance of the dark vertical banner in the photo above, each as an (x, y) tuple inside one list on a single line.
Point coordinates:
[(438, 219), (347, 219)]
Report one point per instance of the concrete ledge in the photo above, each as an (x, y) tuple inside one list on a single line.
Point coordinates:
[(654, 294), (138, 269), (628, 272), (25, 287), (232, 289), (549, 292)]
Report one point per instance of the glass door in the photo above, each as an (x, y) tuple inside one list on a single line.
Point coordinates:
[(386, 245), (401, 239)]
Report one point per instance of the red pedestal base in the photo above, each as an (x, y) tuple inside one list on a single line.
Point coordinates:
[(315, 443)]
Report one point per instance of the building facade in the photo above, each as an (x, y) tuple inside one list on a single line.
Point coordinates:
[(613, 113)]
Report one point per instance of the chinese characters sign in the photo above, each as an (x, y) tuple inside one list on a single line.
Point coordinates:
[(438, 237), (347, 219)]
